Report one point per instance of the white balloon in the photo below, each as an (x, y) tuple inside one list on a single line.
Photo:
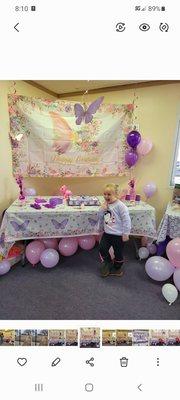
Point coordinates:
[(143, 253), (170, 292)]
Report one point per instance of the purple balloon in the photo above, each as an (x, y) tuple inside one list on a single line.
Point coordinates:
[(152, 248), (49, 258), (149, 189), (34, 250), (161, 246), (5, 267), (133, 139), (131, 158), (159, 268), (176, 278)]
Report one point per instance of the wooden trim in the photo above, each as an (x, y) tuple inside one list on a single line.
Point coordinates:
[(103, 89), (38, 86), (118, 88)]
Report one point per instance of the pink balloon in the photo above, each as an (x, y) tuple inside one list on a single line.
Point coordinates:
[(49, 258), (173, 252), (149, 189), (144, 147), (68, 246), (51, 243), (5, 267), (34, 250), (176, 278), (152, 248), (86, 242), (29, 192)]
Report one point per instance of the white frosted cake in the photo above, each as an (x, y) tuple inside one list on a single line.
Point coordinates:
[(86, 200)]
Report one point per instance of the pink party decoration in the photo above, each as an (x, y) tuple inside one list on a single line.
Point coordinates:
[(34, 250), (68, 246), (5, 267), (63, 190), (86, 242), (67, 194), (173, 252), (49, 258), (176, 278), (50, 243), (132, 191), (144, 147), (19, 181)]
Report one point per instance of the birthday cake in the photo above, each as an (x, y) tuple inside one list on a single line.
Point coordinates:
[(86, 200)]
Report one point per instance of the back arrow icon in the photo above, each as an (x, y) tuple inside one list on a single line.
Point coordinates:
[(16, 26), (139, 387)]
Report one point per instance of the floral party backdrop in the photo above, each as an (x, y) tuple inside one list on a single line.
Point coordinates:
[(46, 141)]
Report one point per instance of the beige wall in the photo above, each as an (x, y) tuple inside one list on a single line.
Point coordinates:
[(157, 113)]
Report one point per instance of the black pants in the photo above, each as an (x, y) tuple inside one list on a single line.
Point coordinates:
[(116, 242)]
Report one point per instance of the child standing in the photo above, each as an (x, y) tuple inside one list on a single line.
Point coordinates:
[(117, 226)]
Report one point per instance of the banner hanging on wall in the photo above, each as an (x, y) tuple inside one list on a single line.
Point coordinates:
[(46, 141)]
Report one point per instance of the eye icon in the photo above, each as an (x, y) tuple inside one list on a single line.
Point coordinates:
[(144, 27)]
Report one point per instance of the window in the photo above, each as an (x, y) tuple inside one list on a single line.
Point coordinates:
[(175, 176)]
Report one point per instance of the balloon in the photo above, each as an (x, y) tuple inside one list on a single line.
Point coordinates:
[(5, 267), (143, 253), (173, 252), (133, 138), (170, 292), (161, 246), (86, 242), (49, 258), (68, 246), (131, 158), (149, 189), (50, 243), (152, 248), (176, 278), (29, 192), (158, 268), (144, 147), (34, 250)]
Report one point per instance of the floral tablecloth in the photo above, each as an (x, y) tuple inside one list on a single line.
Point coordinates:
[(170, 224), (22, 222)]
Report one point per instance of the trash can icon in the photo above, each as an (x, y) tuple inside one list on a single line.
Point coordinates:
[(124, 362)]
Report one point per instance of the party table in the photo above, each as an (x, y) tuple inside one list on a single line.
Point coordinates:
[(22, 222), (170, 224)]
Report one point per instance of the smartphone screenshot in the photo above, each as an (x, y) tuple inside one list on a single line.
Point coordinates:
[(89, 200)]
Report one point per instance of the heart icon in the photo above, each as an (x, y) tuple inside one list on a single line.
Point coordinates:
[(22, 361)]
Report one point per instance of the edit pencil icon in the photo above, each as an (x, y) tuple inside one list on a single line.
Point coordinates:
[(55, 362)]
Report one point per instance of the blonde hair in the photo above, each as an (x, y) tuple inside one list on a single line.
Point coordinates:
[(113, 188)]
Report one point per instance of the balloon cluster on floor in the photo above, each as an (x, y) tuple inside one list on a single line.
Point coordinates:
[(48, 251), (161, 269)]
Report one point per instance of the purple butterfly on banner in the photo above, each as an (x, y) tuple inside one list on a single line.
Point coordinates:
[(20, 227), (2, 240), (87, 115), (92, 221), (58, 225)]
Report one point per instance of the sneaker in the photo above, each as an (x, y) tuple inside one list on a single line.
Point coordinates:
[(105, 268), (116, 272)]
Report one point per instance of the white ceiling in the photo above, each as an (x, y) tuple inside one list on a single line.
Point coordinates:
[(60, 87)]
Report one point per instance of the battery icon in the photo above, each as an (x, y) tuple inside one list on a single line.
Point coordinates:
[(33, 8)]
